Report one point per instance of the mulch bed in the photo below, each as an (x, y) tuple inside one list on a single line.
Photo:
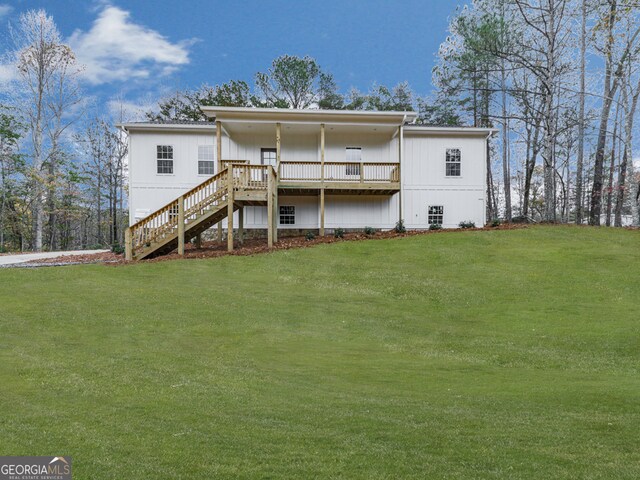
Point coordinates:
[(252, 247)]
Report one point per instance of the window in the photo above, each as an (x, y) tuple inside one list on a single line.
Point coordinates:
[(436, 215), (354, 154), (165, 159), (453, 162), (287, 215), (206, 160)]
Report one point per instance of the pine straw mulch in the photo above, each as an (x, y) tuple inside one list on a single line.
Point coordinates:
[(252, 247)]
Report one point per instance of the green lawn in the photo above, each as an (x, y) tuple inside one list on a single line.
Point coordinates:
[(502, 354)]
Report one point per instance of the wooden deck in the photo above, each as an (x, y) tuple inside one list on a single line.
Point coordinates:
[(241, 184), (360, 178)]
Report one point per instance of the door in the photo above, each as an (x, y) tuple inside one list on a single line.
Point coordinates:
[(268, 156)]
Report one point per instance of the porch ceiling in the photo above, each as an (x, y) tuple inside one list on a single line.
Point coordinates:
[(262, 128)]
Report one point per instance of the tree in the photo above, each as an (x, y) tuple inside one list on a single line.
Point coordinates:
[(615, 60), (290, 82), (185, 105), (328, 96), (10, 165), (43, 62)]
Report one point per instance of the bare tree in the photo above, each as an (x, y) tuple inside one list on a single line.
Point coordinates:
[(41, 60)]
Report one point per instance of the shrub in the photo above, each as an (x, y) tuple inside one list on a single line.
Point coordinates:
[(310, 236), (435, 226), (369, 230), (117, 249), (520, 219), (338, 233), (496, 223), (467, 224), (400, 228)]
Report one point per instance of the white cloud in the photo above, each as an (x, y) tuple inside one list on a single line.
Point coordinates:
[(8, 73), (116, 49), (5, 10)]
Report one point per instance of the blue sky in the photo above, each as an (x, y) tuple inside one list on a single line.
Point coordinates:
[(140, 50)]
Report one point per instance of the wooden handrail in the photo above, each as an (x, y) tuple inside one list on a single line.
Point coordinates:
[(208, 181)]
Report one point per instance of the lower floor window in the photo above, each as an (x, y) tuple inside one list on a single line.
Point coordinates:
[(287, 215), (205, 167), (436, 214)]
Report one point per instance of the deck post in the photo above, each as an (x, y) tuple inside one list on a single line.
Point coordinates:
[(278, 132), (275, 209), (270, 209), (322, 212), (128, 245), (400, 141), (241, 225), (219, 157), (181, 225), (199, 240), (322, 153), (230, 209)]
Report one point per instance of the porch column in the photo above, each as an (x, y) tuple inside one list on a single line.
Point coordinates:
[(400, 142), (229, 213), (322, 179), (278, 131), (219, 156), (270, 199)]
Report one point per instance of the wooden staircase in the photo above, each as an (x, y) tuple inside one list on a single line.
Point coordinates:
[(200, 208)]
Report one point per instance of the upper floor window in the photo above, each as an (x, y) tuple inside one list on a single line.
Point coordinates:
[(164, 157), (354, 157), (436, 215), (452, 163), (206, 159)]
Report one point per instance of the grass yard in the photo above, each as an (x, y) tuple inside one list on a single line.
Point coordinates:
[(496, 354)]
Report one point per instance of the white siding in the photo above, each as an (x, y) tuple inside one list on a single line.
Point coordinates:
[(425, 182)]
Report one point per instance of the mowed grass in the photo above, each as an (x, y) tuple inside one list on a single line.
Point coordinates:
[(501, 354)]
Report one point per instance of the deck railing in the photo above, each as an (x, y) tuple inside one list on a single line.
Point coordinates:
[(212, 193), (339, 172)]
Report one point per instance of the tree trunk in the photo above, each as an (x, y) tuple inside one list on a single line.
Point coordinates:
[(581, 119)]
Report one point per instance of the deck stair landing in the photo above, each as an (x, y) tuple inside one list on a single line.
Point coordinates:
[(202, 207)]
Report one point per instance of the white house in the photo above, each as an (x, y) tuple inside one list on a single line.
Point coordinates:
[(299, 169)]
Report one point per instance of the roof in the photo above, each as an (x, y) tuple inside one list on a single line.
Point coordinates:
[(240, 115), (291, 115), (181, 125), (446, 130)]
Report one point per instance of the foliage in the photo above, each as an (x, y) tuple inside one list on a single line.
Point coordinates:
[(435, 226), (338, 233), (467, 224), (369, 230), (310, 235), (496, 222), (290, 82), (117, 249), (400, 228)]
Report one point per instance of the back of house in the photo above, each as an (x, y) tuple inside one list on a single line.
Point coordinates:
[(331, 169)]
